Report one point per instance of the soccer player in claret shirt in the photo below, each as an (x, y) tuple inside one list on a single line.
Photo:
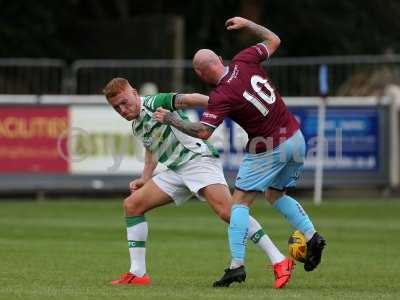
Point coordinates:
[(275, 150), (193, 168)]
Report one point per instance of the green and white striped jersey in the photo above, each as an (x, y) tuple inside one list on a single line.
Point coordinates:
[(169, 146)]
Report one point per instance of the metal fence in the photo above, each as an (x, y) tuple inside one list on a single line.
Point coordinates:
[(298, 76), (32, 76), (292, 76), (90, 76)]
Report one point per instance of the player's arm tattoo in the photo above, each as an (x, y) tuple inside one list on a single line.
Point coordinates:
[(190, 100), (269, 38), (195, 129)]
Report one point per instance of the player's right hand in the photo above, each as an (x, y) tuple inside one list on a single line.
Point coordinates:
[(136, 184), (236, 23)]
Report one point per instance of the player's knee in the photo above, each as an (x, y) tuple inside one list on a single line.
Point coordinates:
[(268, 196), (132, 206), (225, 214), (272, 195), (244, 198)]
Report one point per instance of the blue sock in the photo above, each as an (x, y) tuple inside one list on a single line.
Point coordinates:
[(295, 214), (237, 232)]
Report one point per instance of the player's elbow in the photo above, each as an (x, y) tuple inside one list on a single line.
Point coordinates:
[(275, 43), (277, 40)]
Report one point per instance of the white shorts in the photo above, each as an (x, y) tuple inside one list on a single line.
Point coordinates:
[(186, 181)]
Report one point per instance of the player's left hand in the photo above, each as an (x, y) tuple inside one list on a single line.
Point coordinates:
[(136, 184), (159, 114)]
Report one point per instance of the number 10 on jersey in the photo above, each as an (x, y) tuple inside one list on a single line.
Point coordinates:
[(261, 99)]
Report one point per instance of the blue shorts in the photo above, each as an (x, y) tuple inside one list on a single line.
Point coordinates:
[(278, 168)]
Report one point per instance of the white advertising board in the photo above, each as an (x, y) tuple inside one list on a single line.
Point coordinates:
[(101, 142)]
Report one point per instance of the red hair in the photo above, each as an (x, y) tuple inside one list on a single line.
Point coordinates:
[(115, 86)]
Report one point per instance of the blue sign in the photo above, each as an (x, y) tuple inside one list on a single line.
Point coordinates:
[(352, 138)]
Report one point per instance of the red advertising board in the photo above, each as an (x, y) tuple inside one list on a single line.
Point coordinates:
[(32, 139)]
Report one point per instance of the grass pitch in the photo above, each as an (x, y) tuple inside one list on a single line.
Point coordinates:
[(72, 249)]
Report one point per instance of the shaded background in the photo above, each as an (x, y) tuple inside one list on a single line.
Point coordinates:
[(73, 29), (51, 76), (57, 52)]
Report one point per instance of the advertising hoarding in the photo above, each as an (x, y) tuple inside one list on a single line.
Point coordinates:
[(29, 138), (101, 142)]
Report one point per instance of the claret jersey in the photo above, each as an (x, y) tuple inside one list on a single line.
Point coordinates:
[(247, 96)]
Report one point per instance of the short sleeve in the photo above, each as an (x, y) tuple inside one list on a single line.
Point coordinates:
[(253, 54), (218, 108), (164, 100)]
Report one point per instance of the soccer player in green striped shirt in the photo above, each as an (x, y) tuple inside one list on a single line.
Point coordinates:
[(193, 168)]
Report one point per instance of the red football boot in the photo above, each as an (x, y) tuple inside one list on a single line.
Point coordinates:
[(129, 278), (283, 271)]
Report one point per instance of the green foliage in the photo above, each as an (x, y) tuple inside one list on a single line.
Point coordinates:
[(330, 27), (29, 28), (76, 28)]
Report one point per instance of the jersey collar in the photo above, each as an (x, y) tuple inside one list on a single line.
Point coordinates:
[(226, 71), (141, 108)]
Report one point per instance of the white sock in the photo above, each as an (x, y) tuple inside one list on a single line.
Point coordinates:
[(262, 240), (137, 235), (309, 234), (236, 264)]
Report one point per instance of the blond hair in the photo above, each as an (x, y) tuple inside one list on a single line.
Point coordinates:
[(115, 86)]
